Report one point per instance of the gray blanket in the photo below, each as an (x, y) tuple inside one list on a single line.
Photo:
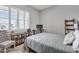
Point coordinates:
[(47, 43)]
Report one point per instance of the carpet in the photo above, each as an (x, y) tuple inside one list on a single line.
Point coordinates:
[(17, 49)]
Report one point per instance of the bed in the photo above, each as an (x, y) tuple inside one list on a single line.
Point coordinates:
[(47, 43)]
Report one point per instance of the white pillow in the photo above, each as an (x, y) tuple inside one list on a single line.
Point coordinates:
[(76, 33), (69, 38), (75, 45)]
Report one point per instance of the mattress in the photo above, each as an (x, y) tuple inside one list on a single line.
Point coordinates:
[(47, 43)]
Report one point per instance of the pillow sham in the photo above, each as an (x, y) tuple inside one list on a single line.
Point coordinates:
[(69, 38), (75, 45), (76, 33)]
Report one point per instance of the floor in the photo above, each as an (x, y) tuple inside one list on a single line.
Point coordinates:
[(17, 49)]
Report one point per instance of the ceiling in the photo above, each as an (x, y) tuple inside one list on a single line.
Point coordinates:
[(41, 7)]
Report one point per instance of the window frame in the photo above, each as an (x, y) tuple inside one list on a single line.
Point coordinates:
[(23, 14), (5, 17), (17, 20)]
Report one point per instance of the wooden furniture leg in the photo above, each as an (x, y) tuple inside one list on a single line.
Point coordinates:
[(29, 50), (4, 50), (14, 45)]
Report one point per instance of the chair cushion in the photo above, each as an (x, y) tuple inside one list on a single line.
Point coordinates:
[(6, 44)]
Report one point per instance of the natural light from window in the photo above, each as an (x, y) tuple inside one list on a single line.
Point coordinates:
[(11, 18)]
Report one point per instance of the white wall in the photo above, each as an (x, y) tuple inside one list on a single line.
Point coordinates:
[(34, 14), (53, 18)]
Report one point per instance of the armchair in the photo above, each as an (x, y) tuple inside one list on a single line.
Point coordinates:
[(5, 40)]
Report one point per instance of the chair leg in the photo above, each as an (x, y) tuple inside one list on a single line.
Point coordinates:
[(4, 50), (14, 45)]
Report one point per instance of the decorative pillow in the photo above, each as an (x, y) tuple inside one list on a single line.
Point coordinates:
[(69, 38), (75, 45), (76, 33)]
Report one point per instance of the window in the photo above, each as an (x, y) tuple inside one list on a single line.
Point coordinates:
[(13, 24), (11, 18), (21, 20), (26, 20), (4, 18)]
